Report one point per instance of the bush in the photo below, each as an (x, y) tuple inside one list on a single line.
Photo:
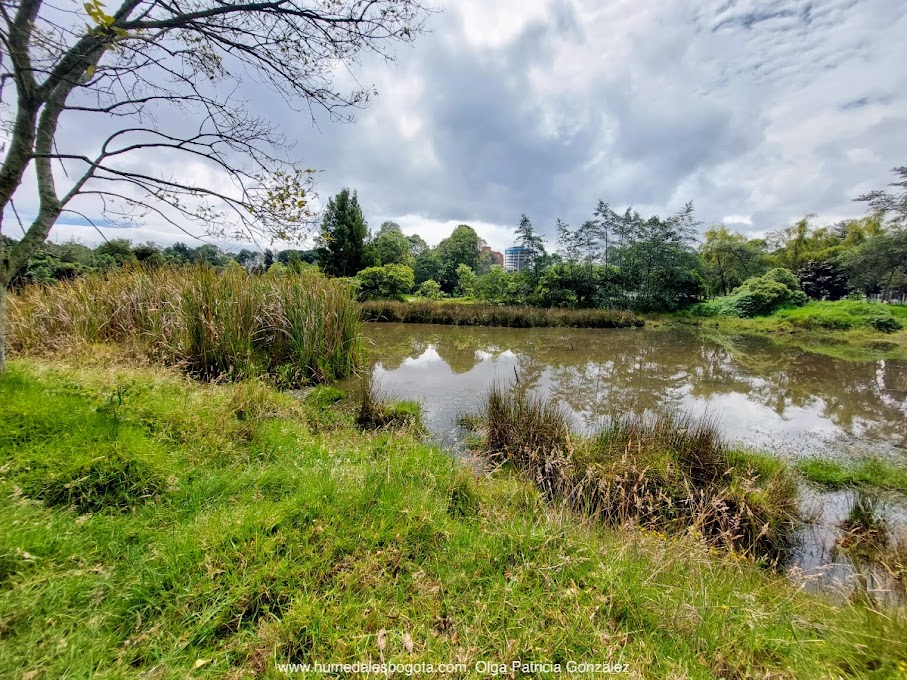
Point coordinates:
[(763, 295), (431, 290), (884, 323), (389, 282)]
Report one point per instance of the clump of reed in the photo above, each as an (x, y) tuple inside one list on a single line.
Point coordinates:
[(496, 315), (866, 531), (293, 328), (666, 473), (377, 411)]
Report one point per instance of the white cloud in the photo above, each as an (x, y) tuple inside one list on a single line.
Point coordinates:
[(758, 110)]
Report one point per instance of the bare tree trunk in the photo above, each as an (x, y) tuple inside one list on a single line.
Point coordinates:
[(2, 325)]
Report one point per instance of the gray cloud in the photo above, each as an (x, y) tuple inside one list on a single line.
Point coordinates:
[(762, 111)]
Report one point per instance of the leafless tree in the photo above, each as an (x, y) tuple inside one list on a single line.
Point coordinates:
[(160, 78)]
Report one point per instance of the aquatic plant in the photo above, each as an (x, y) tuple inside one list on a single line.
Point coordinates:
[(496, 315), (377, 411), (294, 328), (667, 473)]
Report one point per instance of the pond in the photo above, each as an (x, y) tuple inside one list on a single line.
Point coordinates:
[(767, 397)]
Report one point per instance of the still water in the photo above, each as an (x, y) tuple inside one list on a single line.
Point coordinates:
[(767, 398)]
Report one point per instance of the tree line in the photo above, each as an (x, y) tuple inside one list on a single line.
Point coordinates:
[(614, 259)]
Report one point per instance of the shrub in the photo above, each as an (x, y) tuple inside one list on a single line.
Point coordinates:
[(389, 282), (884, 323), (763, 295), (430, 290)]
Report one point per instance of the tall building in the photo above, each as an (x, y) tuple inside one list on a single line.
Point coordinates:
[(496, 257), (515, 259)]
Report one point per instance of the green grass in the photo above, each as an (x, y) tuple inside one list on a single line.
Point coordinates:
[(844, 329), (278, 531), (846, 315), (871, 473), (466, 313), (294, 329)]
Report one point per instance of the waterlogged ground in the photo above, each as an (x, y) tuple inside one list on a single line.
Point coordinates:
[(766, 397)]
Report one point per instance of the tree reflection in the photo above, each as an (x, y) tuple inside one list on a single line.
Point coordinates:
[(607, 373)]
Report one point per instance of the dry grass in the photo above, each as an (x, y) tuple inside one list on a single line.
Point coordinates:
[(497, 315), (667, 473), (292, 328)]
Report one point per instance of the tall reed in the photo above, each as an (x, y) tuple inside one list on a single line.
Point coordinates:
[(496, 315), (667, 473), (293, 328)]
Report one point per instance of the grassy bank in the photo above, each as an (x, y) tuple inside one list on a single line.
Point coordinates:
[(496, 315), (292, 328), (872, 473), (844, 329), (157, 527)]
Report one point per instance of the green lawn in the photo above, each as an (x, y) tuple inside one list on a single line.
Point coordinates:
[(156, 527)]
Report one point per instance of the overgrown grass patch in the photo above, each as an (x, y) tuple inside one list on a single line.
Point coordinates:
[(309, 553), (843, 315), (866, 473), (667, 473), (496, 315), (290, 328), (379, 411)]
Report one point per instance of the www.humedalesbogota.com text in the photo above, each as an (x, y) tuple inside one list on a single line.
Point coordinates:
[(484, 667)]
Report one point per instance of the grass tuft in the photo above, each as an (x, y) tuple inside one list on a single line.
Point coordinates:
[(665, 473), (111, 481), (378, 412)]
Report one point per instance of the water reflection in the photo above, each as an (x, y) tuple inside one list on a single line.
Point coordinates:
[(767, 397)]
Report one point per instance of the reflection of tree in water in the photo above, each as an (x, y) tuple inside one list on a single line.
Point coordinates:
[(608, 372), (853, 395), (391, 350)]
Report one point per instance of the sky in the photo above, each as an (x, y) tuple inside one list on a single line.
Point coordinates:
[(758, 111)]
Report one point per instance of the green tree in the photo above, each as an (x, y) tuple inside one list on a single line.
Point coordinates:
[(417, 245), (730, 259), (391, 246), (390, 282), (890, 204), (210, 254), (341, 245), (466, 281), (427, 265), (430, 290), (120, 249), (533, 245), (879, 264), (494, 286), (461, 247)]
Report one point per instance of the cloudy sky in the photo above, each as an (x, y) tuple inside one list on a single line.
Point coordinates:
[(759, 111)]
